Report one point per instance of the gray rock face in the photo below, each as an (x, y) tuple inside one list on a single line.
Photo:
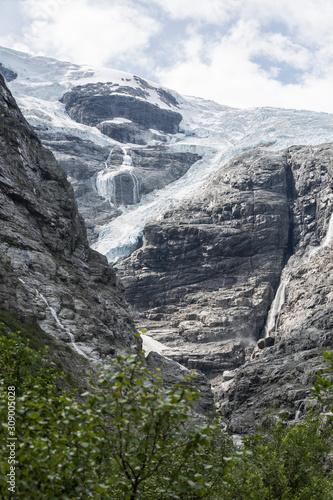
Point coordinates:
[(130, 132), (281, 376), (97, 104), (47, 271), (8, 74), (157, 166), (153, 167), (207, 274), (208, 270), (173, 373)]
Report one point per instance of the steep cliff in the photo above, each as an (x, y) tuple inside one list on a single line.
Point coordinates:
[(300, 321), (246, 257), (48, 272), (207, 274), (208, 270), (107, 178), (133, 149)]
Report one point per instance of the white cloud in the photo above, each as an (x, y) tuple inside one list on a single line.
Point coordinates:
[(87, 32), (239, 52), (310, 20), (232, 75), (211, 11)]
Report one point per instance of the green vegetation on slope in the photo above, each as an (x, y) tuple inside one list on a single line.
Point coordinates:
[(56, 353), (131, 438)]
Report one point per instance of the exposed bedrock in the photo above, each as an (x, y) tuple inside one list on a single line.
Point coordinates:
[(208, 270), (280, 377), (152, 167), (47, 271), (99, 103), (207, 273), (130, 133)]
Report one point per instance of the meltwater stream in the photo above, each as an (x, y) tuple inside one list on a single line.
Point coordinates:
[(280, 296), (276, 307), (61, 326), (57, 320), (110, 181)]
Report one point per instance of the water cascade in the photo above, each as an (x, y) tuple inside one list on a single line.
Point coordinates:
[(149, 344), (327, 241), (299, 411), (274, 313), (280, 296), (119, 185), (61, 326)]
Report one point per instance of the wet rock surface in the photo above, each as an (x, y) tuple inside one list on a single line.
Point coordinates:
[(207, 273), (279, 378), (48, 273), (210, 267)]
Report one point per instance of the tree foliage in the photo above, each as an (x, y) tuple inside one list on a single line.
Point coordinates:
[(131, 437), (283, 462)]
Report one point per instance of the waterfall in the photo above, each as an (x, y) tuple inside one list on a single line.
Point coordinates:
[(61, 326), (127, 159), (280, 296), (105, 184), (276, 307), (299, 411), (149, 344), (107, 180), (327, 241), (136, 187)]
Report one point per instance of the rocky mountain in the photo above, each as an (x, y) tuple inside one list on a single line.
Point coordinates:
[(219, 226), (208, 272), (133, 149), (48, 272)]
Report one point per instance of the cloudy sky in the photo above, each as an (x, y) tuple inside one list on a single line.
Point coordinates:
[(241, 53)]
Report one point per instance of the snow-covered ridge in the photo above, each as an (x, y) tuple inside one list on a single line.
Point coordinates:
[(214, 131), (48, 79)]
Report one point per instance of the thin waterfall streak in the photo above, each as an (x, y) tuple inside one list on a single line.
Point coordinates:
[(327, 241), (275, 310), (61, 326), (280, 296)]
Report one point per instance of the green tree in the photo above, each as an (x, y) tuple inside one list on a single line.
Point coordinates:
[(323, 386), (153, 444), (57, 439), (285, 463), (130, 438)]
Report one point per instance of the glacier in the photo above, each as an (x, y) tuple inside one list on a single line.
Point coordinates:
[(214, 131)]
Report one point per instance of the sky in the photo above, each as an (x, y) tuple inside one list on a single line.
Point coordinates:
[(240, 53)]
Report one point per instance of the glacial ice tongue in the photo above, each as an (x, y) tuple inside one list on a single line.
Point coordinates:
[(214, 131)]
